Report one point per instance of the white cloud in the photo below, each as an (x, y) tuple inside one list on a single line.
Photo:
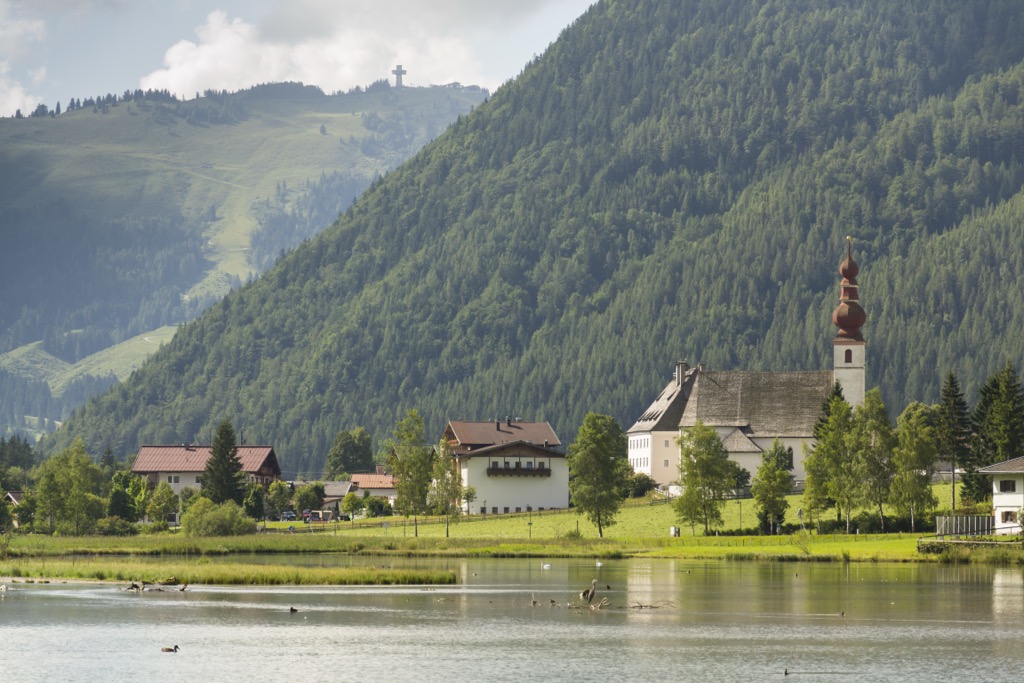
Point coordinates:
[(13, 95), (340, 44)]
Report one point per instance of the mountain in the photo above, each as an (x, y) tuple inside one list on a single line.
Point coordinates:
[(126, 215), (667, 181)]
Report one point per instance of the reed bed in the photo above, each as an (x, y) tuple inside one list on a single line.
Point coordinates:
[(172, 573)]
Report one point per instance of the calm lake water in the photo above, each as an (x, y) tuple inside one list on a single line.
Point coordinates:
[(665, 620)]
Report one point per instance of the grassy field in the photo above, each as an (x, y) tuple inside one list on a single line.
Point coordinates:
[(642, 530)]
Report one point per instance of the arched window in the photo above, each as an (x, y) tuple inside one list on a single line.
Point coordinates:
[(849, 359)]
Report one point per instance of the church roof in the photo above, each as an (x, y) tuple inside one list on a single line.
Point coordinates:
[(765, 404), (667, 410), (769, 404), (738, 442)]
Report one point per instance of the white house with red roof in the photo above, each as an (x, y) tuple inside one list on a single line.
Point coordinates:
[(515, 466), (377, 484), (183, 465)]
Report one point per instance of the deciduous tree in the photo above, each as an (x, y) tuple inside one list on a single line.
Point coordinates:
[(162, 504), (914, 461), (706, 475), (598, 470), (772, 483), (874, 440), (351, 452), (411, 463)]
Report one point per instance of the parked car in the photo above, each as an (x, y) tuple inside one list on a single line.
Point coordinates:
[(287, 516)]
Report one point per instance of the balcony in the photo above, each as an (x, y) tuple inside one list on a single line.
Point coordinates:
[(508, 470)]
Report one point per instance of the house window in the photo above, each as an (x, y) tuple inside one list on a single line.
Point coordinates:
[(666, 443), (494, 510), (666, 464), (519, 509), (494, 463), (483, 511), (540, 466), (506, 511), (849, 355), (172, 478), (518, 465), (1009, 517), (507, 465), (1007, 486), (199, 480), (529, 465)]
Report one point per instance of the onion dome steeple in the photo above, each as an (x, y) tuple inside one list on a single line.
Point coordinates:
[(848, 316)]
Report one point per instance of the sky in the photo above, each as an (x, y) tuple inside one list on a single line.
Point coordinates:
[(55, 50)]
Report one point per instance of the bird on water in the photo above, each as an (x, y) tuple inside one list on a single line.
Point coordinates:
[(169, 649), (292, 610), (589, 593)]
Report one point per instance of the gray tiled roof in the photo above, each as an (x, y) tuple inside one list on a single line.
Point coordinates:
[(1013, 466), (767, 404)]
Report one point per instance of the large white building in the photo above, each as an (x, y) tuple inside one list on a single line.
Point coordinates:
[(514, 466), (749, 410)]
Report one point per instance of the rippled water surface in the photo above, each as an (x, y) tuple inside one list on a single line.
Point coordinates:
[(512, 620)]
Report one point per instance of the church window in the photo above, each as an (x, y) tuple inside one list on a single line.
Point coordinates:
[(849, 355)]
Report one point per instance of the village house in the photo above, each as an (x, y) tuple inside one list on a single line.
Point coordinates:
[(183, 465), (515, 466), (377, 484), (1007, 494), (749, 410)]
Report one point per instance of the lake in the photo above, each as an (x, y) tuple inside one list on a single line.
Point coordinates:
[(513, 620)]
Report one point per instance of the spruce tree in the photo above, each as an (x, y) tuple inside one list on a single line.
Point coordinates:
[(953, 429), (999, 424), (223, 479)]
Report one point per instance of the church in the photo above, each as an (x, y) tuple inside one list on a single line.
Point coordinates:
[(749, 410)]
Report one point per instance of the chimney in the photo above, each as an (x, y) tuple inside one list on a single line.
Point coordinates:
[(681, 367)]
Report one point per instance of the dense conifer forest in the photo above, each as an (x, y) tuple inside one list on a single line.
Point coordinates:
[(670, 180)]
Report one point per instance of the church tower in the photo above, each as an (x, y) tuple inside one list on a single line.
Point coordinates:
[(848, 346)]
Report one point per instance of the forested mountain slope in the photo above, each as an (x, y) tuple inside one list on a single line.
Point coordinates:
[(668, 181), (127, 213)]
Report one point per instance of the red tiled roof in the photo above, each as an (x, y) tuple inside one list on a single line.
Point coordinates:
[(254, 459), (373, 481), (473, 435)]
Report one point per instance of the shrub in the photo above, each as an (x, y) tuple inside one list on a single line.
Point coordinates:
[(115, 526), (639, 485), (206, 518)]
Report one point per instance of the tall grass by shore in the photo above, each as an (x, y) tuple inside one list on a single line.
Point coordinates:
[(175, 572)]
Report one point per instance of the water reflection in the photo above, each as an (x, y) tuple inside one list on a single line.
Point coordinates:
[(512, 619)]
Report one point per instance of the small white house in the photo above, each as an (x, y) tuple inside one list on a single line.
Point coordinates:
[(515, 466), (1007, 494)]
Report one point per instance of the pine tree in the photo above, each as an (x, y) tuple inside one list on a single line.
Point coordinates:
[(999, 424), (953, 429), (223, 479)]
